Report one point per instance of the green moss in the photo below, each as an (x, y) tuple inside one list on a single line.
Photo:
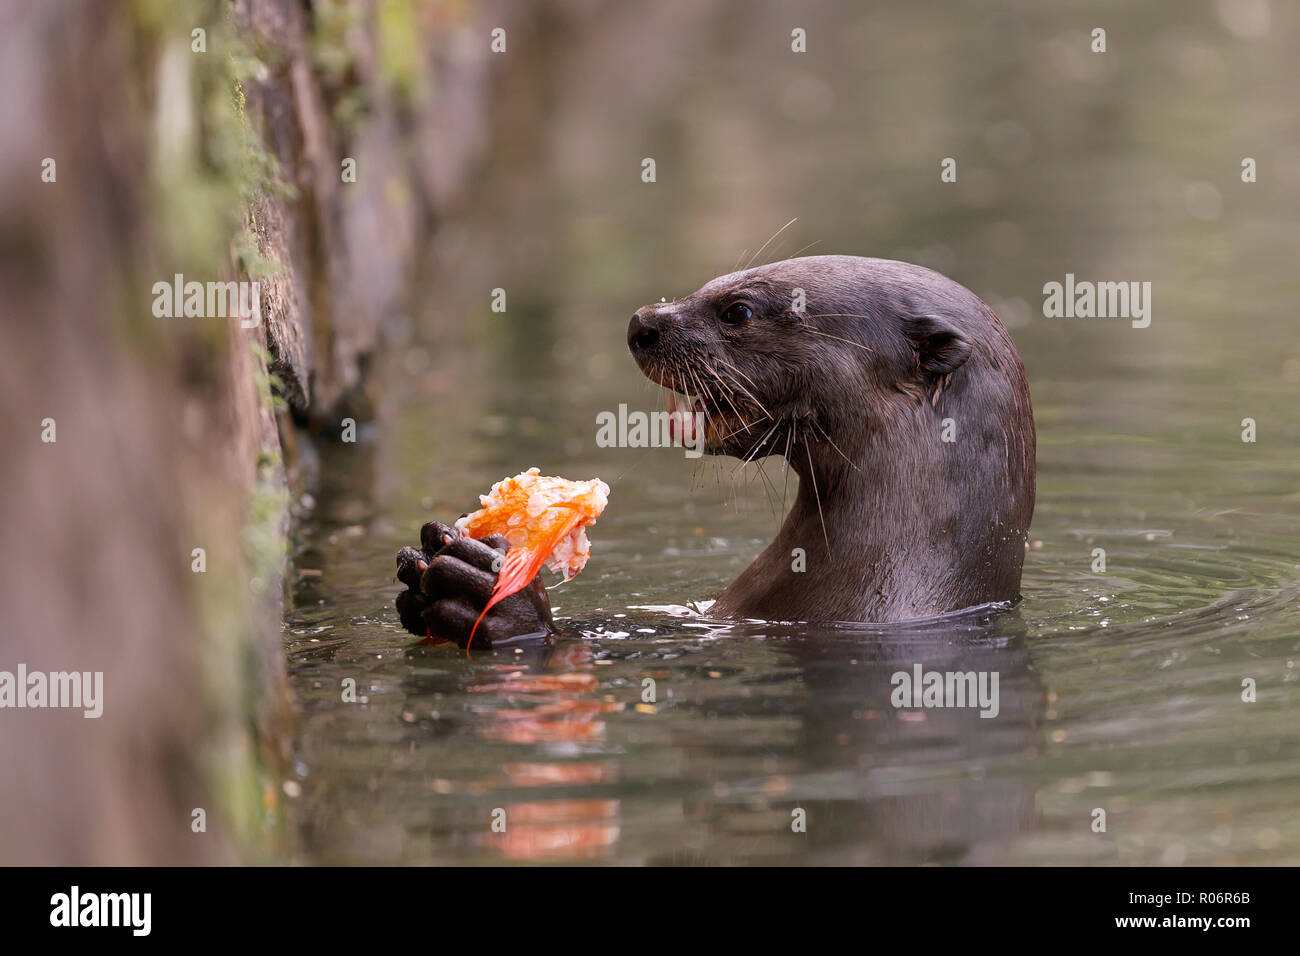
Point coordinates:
[(206, 182), (207, 172), (399, 49), (270, 387), (208, 166), (249, 257), (265, 531), (333, 24)]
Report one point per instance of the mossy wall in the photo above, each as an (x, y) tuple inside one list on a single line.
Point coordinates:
[(206, 139)]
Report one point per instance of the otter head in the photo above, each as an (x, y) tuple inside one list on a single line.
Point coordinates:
[(895, 392), (793, 352)]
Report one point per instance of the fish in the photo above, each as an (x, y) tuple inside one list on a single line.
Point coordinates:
[(545, 520)]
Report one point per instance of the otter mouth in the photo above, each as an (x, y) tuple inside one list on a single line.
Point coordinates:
[(688, 416), (703, 421), (717, 424)]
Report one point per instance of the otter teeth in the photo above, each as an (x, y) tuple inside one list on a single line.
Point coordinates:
[(681, 417), (681, 403)]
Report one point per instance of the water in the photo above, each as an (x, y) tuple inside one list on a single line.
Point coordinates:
[(1120, 690)]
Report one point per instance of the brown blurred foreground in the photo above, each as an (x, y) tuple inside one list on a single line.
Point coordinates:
[(208, 140)]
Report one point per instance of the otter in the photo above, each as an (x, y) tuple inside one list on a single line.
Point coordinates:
[(893, 392)]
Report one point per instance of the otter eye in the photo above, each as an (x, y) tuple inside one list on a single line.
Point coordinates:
[(737, 314)]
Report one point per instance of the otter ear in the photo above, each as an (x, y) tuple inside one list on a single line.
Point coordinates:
[(940, 346)]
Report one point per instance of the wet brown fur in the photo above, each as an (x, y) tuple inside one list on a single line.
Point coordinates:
[(895, 523)]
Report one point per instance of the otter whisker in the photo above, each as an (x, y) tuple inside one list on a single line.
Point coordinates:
[(828, 438), (700, 393), (752, 397), (756, 448), (769, 490), (805, 249), (733, 368), (835, 337), (812, 476), (699, 473), (724, 396), (730, 383), (785, 468), (690, 388), (703, 394), (745, 426), (769, 241)]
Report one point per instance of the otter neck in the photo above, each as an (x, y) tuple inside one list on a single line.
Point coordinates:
[(851, 521), (866, 553)]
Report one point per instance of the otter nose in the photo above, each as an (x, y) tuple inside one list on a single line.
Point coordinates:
[(642, 331)]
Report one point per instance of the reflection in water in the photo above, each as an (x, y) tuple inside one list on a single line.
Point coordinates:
[(553, 701), (860, 758), (870, 782)]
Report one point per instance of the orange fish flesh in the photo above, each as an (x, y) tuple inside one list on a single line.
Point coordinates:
[(544, 519)]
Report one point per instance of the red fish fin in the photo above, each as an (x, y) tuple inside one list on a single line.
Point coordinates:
[(520, 567)]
